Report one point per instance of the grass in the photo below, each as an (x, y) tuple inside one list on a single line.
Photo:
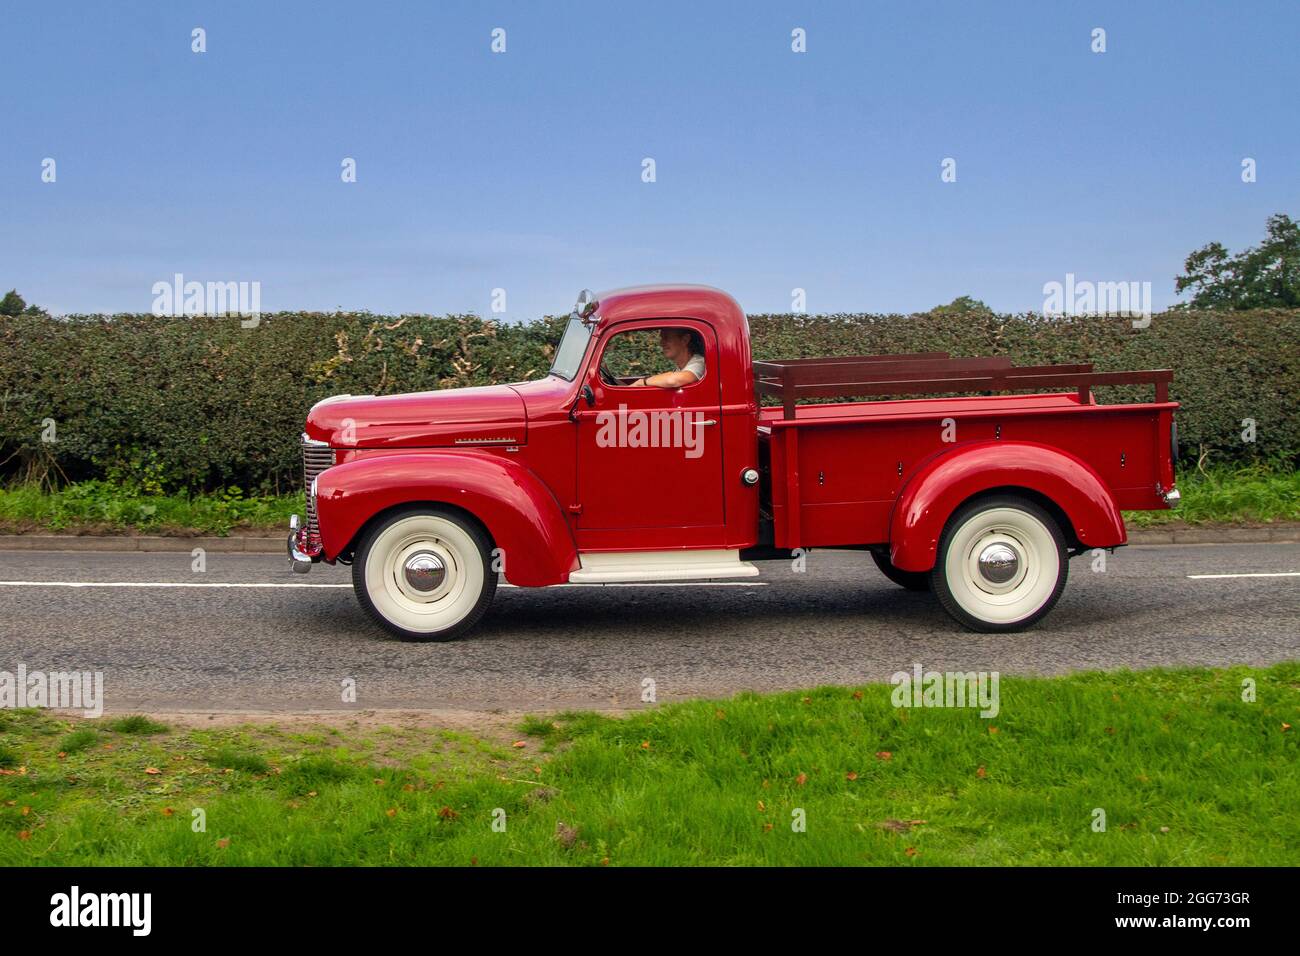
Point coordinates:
[(1257, 494), (136, 724), (230, 758), (1186, 771), (98, 507), (78, 740)]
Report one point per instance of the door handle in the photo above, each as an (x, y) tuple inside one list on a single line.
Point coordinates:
[(708, 421)]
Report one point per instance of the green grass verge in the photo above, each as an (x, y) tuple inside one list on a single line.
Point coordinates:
[(98, 507), (1185, 770), (1253, 495)]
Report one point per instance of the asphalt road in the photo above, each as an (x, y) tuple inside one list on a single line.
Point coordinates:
[(232, 649)]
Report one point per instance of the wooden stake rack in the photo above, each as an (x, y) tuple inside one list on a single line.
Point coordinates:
[(922, 373)]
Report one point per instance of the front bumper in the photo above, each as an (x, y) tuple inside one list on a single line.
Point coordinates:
[(305, 549)]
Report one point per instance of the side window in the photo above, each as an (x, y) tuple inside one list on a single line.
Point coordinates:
[(655, 356)]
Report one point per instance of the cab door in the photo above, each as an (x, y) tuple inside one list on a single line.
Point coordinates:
[(649, 460)]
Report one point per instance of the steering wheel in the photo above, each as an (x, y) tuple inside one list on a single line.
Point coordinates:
[(606, 375)]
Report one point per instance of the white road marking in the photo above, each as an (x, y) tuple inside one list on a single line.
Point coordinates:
[(265, 584), (1268, 574), (159, 584)]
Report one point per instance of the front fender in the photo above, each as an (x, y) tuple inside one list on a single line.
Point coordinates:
[(520, 512), (942, 484)]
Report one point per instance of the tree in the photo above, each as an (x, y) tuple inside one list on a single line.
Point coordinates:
[(962, 305), (12, 303), (1267, 275)]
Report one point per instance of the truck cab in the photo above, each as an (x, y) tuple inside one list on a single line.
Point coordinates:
[(589, 475), (662, 469)]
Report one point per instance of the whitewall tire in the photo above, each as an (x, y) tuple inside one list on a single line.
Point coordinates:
[(424, 573), (1002, 564)]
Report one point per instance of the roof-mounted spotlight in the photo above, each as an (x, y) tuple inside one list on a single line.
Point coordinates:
[(586, 305)]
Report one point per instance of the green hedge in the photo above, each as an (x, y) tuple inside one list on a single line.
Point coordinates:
[(203, 403)]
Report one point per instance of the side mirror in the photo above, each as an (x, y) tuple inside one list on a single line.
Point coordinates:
[(584, 393)]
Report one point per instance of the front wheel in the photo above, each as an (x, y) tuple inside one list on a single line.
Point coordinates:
[(424, 574), (1002, 564)]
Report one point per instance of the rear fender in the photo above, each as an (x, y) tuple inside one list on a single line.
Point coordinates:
[(518, 511), (940, 486)]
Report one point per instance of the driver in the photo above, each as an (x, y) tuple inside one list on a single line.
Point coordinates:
[(685, 349)]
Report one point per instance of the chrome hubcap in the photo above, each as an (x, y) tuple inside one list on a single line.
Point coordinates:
[(424, 571), (998, 563)]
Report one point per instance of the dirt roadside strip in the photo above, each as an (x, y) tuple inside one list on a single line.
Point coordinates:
[(1284, 533), (499, 725)]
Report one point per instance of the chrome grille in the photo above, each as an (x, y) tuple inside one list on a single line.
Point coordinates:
[(316, 457)]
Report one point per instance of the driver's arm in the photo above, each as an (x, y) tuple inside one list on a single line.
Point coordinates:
[(669, 379)]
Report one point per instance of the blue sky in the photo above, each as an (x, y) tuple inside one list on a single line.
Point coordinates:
[(522, 170)]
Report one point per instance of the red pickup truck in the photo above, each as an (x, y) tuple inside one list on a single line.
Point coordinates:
[(594, 475)]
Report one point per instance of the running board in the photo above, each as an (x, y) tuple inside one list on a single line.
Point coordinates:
[(617, 567)]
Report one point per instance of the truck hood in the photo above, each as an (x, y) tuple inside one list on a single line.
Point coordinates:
[(487, 415)]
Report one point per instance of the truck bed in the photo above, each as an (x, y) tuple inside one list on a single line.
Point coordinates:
[(832, 472)]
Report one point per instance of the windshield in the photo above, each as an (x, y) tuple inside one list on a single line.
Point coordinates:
[(568, 357)]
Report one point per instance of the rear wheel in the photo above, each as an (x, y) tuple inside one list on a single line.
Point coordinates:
[(424, 574), (1002, 564), (912, 580)]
